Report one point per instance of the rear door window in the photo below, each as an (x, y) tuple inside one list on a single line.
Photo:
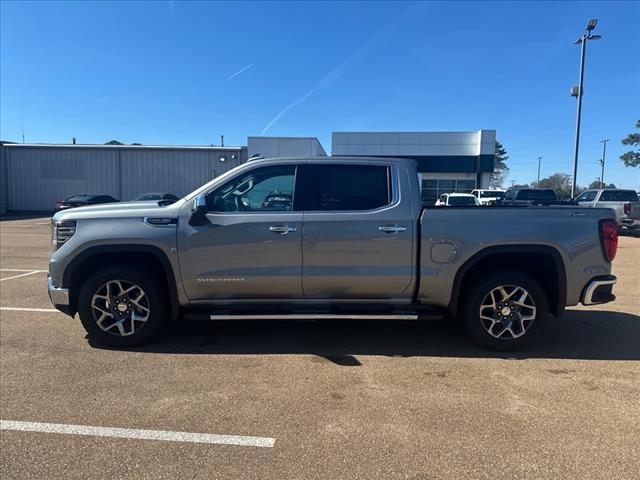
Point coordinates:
[(619, 196), (334, 187)]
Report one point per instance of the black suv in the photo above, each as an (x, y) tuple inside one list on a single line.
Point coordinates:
[(529, 196)]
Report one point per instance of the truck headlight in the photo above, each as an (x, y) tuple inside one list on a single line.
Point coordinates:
[(61, 232)]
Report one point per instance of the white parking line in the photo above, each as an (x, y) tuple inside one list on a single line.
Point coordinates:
[(132, 433), (20, 309), (21, 275), (20, 270)]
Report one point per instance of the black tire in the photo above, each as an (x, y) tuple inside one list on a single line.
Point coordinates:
[(155, 299), (479, 289)]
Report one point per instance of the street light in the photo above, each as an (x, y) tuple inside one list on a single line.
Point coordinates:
[(578, 92), (538, 184), (604, 154)]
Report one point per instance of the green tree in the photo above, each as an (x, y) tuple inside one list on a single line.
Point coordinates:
[(114, 142), (521, 185), (500, 168), (595, 185), (632, 157), (559, 183)]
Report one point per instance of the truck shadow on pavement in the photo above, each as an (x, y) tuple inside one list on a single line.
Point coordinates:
[(577, 334)]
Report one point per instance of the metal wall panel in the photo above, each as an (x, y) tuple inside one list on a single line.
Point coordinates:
[(172, 170), (38, 177), (3, 179)]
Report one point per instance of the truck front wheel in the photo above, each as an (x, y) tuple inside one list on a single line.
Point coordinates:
[(505, 310), (120, 306)]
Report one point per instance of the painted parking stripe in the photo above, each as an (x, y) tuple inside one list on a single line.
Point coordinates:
[(20, 270), (132, 433), (20, 309), (18, 276)]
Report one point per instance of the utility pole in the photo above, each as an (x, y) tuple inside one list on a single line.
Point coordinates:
[(578, 91), (602, 160), (538, 184)]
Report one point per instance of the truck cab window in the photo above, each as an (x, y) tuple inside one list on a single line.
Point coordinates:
[(347, 187), (264, 189)]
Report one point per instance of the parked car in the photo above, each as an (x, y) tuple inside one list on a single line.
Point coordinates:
[(624, 203), (355, 243), (457, 200), (529, 196), (146, 197), (82, 200), (488, 197)]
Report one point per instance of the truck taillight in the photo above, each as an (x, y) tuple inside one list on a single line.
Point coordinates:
[(626, 208), (609, 238)]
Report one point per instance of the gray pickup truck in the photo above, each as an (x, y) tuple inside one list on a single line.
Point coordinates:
[(326, 238), (624, 204)]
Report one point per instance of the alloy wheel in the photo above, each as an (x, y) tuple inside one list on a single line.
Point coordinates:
[(120, 308), (507, 312)]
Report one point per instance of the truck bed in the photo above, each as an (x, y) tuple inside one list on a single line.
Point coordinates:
[(454, 237)]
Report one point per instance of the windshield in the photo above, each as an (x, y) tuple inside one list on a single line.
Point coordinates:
[(80, 198), (491, 194), (149, 196), (540, 195), (460, 201)]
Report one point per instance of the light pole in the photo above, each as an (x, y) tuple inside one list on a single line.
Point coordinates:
[(604, 154), (538, 184), (577, 92)]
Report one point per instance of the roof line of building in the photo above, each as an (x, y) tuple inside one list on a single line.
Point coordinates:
[(100, 146)]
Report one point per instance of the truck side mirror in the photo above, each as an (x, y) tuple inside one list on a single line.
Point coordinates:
[(198, 216)]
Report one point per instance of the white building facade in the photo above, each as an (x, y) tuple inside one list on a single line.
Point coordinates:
[(447, 161), (269, 147)]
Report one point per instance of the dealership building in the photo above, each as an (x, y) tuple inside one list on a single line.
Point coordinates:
[(35, 176)]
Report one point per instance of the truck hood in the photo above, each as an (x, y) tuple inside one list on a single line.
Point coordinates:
[(119, 209)]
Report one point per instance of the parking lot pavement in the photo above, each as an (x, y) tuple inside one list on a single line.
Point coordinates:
[(339, 399)]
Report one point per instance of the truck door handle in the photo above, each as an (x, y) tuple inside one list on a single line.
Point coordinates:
[(282, 229), (392, 228)]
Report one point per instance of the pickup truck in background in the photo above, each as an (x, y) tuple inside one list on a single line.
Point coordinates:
[(457, 200), (624, 203), (353, 242), (488, 197)]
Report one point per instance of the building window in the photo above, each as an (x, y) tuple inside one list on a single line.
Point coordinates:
[(432, 189)]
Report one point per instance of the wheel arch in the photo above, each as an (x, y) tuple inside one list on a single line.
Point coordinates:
[(86, 262), (535, 260)]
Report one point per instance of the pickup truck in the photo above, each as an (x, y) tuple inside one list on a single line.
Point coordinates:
[(488, 197), (624, 203), (353, 242)]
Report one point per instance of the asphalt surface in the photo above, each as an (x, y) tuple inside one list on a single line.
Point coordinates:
[(352, 399)]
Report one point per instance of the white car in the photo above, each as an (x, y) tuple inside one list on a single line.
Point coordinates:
[(488, 197), (456, 200)]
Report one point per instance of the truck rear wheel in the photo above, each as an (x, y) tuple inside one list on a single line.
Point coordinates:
[(506, 310), (120, 306)]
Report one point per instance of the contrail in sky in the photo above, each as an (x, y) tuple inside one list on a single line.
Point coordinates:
[(335, 73), (239, 72)]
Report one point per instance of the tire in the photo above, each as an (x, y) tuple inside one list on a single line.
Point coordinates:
[(498, 316), (121, 306)]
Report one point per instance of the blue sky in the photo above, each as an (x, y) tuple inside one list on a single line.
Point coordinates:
[(185, 73)]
